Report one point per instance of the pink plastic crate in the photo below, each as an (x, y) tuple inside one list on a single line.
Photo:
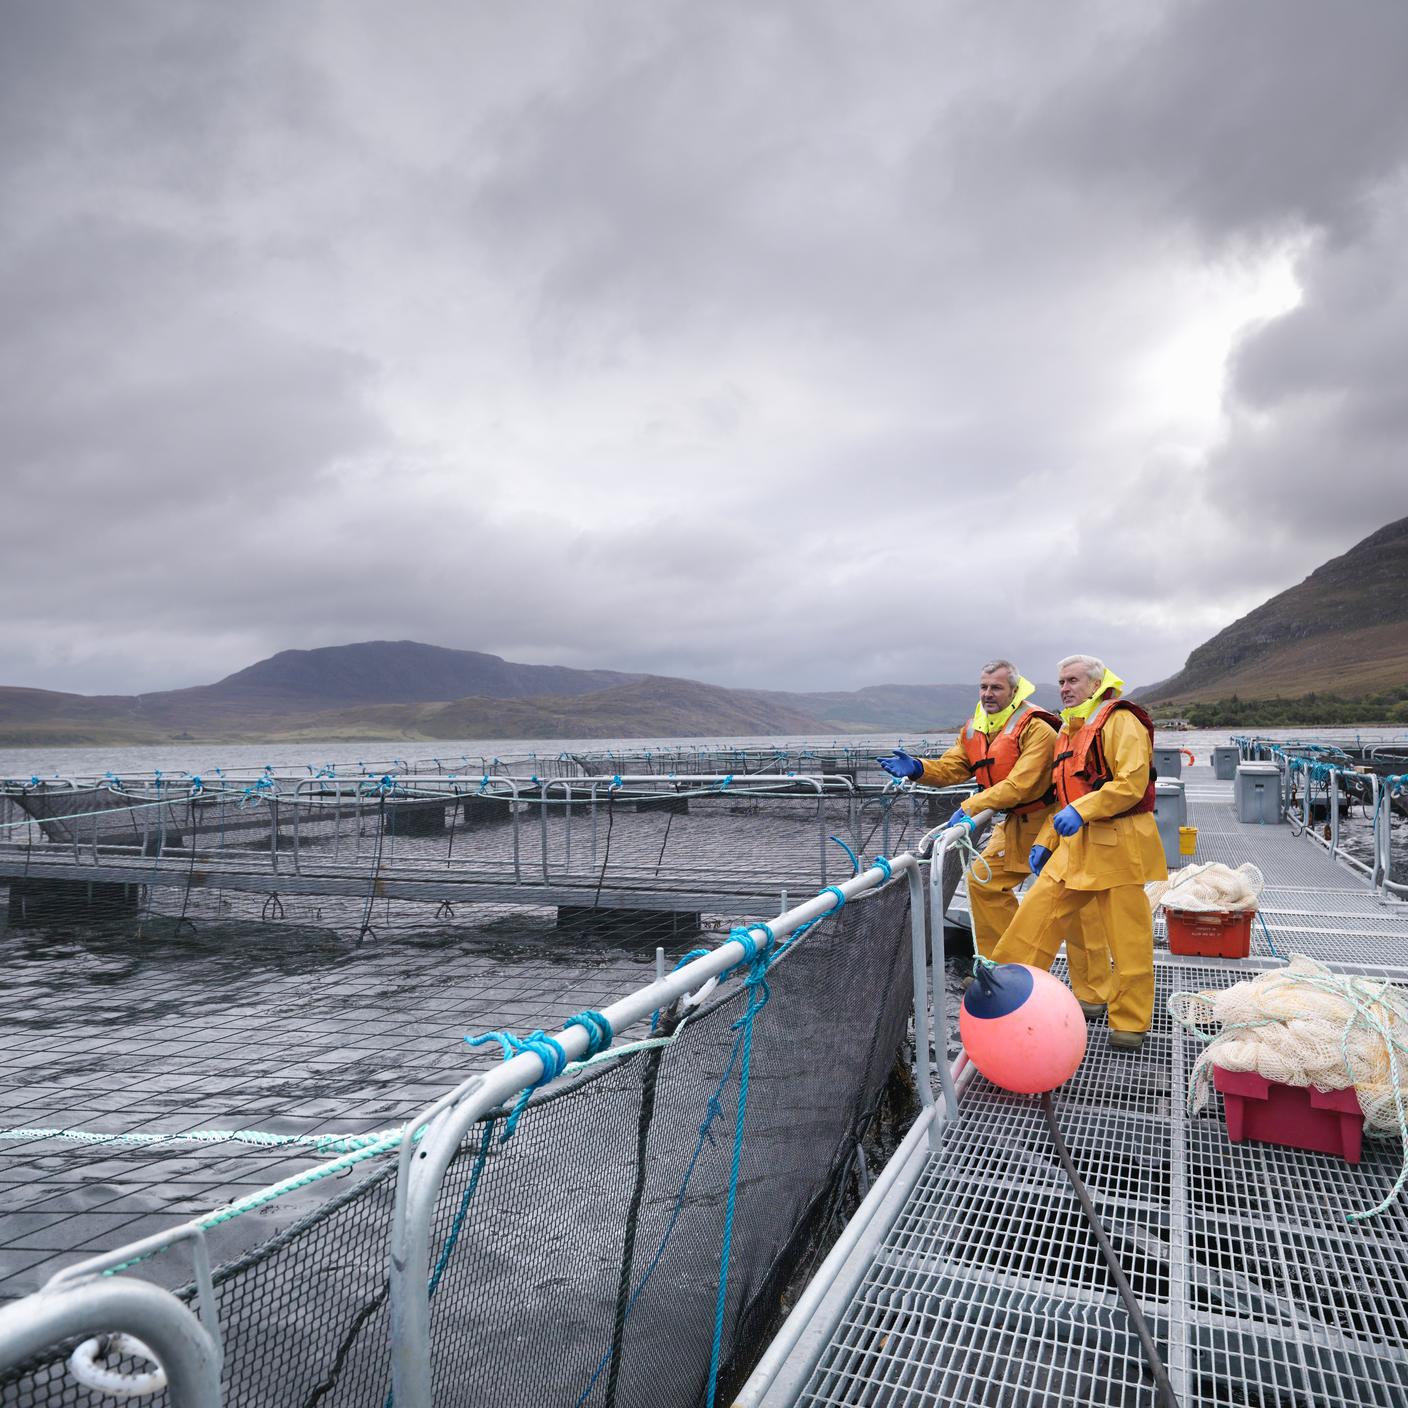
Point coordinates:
[(1214, 933), (1300, 1117)]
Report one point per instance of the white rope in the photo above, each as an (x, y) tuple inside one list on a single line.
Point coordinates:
[(1305, 1025)]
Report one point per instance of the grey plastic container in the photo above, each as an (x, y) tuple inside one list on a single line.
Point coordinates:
[(1225, 758), (1258, 793), (1170, 812), (1168, 762)]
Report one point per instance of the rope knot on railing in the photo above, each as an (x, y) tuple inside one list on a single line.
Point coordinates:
[(261, 787), (598, 1029), (549, 1052)]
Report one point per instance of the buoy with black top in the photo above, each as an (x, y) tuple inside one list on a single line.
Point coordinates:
[(1022, 1028)]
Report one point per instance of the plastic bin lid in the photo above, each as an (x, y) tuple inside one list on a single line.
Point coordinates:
[(1258, 767)]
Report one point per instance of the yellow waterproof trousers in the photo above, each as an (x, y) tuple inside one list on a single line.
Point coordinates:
[(1051, 912)]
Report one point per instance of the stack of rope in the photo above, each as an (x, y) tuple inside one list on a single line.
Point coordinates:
[(1204, 888), (1308, 1026)]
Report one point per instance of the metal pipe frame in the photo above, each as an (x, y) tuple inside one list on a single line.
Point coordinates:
[(434, 1137), (98, 1304)]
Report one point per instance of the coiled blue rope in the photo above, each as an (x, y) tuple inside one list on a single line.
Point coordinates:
[(598, 1029)]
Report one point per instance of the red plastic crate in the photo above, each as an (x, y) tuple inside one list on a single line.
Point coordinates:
[(1298, 1116), (1212, 933)]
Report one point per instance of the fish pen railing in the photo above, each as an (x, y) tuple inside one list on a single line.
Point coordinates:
[(1319, 785), (331, 849), (610, 1216)]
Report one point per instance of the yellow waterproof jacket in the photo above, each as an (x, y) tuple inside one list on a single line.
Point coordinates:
[(1029, 781), (1110, 849)]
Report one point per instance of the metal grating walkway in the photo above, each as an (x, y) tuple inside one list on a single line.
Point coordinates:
[(987, 1289)]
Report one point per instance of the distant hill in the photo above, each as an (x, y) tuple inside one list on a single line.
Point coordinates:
[(651, 706), (400, 672), (899, 706), (1342, 631), (404, 689)]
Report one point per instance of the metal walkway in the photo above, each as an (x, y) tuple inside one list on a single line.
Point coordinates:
[(969, 1277)]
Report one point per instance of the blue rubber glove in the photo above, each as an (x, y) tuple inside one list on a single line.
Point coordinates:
[(1037, 857), (901, 765), (1067, 821), (959, 818)]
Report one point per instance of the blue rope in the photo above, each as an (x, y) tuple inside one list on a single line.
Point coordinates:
[(712, 1109), (758, 995), (883, 865), (599, 1032), (548, 1051), (1270, 943), (448, 1249), (855, 859)]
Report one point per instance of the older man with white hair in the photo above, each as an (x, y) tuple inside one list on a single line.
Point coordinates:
[(1101, 848)]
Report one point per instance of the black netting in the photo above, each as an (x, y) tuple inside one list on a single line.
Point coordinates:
[(541, 1241)]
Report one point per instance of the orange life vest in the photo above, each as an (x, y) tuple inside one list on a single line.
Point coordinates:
[(1082, 767), (991, 758)]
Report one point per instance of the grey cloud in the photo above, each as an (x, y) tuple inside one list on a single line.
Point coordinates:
[(1244, 119), (781, 347)]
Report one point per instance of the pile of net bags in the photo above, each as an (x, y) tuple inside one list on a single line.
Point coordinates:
[(1204, 888), (1306, 1025)]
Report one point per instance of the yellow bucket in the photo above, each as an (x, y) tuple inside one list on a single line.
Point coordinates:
[(1187, 840)]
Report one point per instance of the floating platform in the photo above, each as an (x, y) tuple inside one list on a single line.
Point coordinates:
[(970, 1278)]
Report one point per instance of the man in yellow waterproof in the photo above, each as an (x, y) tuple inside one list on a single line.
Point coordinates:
[(1101, 848), (1006, 749)]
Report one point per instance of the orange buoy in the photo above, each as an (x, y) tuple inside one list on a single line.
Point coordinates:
[(1022, 1028), (1188, 753)]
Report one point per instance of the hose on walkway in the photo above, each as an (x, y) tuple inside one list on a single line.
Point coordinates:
[(1136, 1315)]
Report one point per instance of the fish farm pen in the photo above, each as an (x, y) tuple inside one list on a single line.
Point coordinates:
[(253, 1147)]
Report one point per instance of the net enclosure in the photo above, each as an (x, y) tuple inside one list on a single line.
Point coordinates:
[(577, 1260)]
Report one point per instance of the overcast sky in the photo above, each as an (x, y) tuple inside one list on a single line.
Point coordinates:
[(800, 346)]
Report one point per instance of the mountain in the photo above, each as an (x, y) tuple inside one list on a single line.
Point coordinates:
[(1342, 631), (401, 672), (403, 689)]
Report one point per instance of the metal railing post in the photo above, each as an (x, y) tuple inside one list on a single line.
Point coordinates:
[(104, 1304), (919, 959)]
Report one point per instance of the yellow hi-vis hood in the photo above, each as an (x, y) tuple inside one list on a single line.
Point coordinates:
[(1112, 686), (990, 723)]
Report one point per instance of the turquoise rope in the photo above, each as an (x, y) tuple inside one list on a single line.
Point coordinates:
[(757, 999), (855, 859), (550, 1054)]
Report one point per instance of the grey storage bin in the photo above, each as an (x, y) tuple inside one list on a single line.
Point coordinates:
[(1225, 758), (1258, 793), (1170, 812), (1168, 762)]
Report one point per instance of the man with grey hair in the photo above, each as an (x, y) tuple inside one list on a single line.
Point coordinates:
[(1100, 849), (1006, 749)]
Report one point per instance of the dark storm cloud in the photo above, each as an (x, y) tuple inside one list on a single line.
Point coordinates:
[(802, 346)]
